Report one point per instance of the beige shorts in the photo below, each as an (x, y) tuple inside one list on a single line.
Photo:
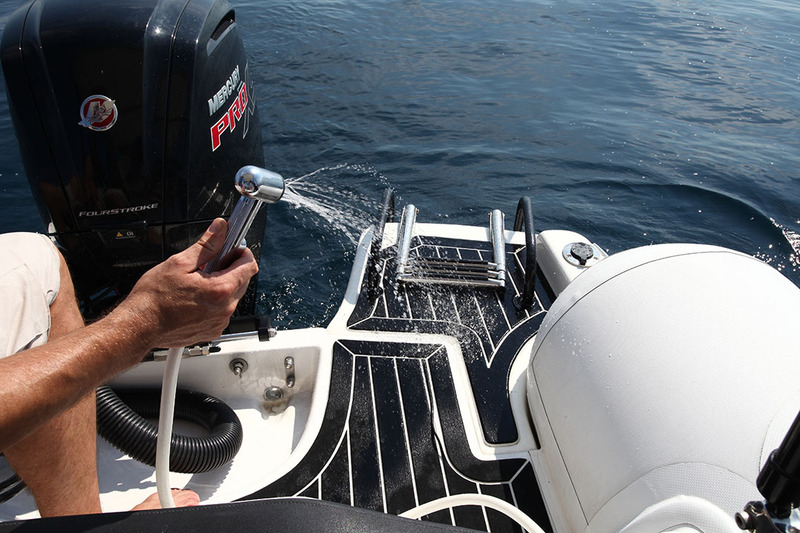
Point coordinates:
[(29, 282)]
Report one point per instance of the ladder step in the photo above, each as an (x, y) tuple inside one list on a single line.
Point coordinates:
[(451, 271), (424, 262), (426, 280), (461, 272)]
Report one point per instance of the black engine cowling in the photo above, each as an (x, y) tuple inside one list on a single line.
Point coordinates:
[(133, 118)]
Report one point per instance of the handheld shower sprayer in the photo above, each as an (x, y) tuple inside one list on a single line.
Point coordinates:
[(257, 186)]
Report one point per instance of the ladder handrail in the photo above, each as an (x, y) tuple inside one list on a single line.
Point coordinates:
[(373, 263), (524, 219)]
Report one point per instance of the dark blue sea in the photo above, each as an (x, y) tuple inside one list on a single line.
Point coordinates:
[(632, 122)]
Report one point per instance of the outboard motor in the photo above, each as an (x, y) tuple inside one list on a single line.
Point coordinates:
[(132, 118)]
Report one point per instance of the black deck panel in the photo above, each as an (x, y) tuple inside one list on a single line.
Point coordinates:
[(378, 447)]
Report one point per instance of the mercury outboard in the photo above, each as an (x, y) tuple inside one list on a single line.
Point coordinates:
[(132, 119)]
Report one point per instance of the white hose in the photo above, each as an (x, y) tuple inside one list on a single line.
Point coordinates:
[(257, 186), (475, 499), (169, 384)]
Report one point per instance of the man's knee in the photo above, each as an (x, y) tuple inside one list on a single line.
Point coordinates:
[(30, 279)]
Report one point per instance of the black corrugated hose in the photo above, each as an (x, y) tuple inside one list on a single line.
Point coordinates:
[(10, 487), (122, 421)]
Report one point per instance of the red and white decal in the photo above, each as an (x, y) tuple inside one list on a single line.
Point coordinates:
[(98, 113), (229, 120)]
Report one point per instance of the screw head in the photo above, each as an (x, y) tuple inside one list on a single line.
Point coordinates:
[(273, 394)]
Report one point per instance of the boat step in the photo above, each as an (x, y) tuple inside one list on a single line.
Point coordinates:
[(436, 270)]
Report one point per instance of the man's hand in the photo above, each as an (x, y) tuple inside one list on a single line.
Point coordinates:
[(180, 305), (172, 305)]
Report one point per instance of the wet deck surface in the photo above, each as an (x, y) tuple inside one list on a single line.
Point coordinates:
[(379, 447)]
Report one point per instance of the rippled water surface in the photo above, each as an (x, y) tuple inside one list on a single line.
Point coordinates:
[(632, 122)]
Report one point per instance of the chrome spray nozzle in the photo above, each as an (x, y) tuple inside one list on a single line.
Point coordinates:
[(257, 186), (260, 184)]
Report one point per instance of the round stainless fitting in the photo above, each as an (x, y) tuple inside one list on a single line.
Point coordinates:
[(273, 394)]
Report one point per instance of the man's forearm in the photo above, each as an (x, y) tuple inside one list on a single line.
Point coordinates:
[(41, 382), (173, 304)]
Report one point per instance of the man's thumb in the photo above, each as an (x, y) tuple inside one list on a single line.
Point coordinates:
[(211, 242)]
